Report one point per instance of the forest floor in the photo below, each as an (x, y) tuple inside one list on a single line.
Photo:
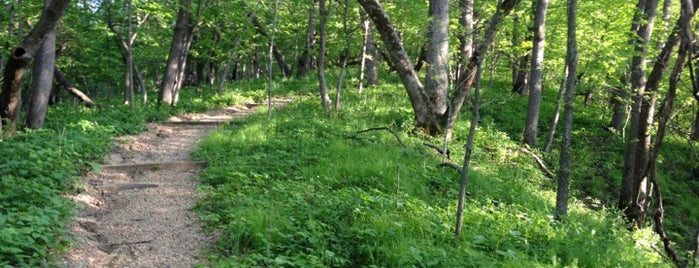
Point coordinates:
[(137, 210)]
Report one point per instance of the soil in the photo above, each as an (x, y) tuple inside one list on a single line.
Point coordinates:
[(138, 209)]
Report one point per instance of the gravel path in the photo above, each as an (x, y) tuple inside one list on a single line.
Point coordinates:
[(141, 217)]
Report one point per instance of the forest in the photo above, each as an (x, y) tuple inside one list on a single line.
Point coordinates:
[(433, 133)]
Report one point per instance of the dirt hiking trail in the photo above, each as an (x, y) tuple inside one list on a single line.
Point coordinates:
[(137, 210)]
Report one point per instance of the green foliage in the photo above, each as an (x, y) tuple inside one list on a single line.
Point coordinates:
[(303, 189)]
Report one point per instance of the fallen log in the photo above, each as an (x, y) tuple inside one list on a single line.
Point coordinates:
[(173, 166)]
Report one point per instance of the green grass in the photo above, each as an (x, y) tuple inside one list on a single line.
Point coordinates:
[(303, 189), (39, 168)]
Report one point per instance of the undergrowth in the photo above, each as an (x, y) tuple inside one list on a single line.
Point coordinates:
[(39, 169), (303, 188)]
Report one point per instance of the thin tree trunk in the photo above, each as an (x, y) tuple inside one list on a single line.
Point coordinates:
[(564, 162), (469, 151), (366, 27), (531, 129), (638, 85), (345, 55), (649, 168), (277, 55), (270, 66), (20, 57), (42, 77), (305, 61), (556, 112), (324, 98), (467, 78)]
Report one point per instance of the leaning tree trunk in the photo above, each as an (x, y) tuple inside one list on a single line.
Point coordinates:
[(278, 56), (324, 98), (638, 84), (531, 129), (564, 161), (42, 76), (20, 58), (178, 47), (63, 82)]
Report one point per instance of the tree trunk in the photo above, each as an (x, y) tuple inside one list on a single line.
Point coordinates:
[(437, 58), (638, 84), (324, 98), (345, 55), (649, 168), (695, 127), (467, 78), (556, 112), (469, 151), (42, 77), (400, 61), (564, 162), (278, 56), (372, 60), (20, 57), (178, 47), (466, 36), (366, 27), (619, 102), (305, 61), (531, 129)]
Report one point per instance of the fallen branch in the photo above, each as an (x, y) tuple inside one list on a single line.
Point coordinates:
[(451, 165), (539, 162), (61, 80), (384, 128), (131, 243), (439, 149)]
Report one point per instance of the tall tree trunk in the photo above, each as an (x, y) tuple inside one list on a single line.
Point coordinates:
[(531, 129), (270, 65), (619, 100), (345, 55), (467, 78), (324, 98), (649, 168), (437, 58), (638, 84), (278, 56), (366, 27), (556, 112), (178, 47), (469, 151), (42, 77), (520, 74), (466, 36), (564, 162), (20, 57), (306, 60), (372, 58)]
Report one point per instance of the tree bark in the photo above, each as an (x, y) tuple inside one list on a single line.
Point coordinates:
[(556, 112), (278, 56), (437, 58), (564, 162), (324, 98), (345, 55), (531, 129), (638, 84), (306, 60), (372, 60), (20, 57), (178, 47), (41, 80), (466, 36)]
